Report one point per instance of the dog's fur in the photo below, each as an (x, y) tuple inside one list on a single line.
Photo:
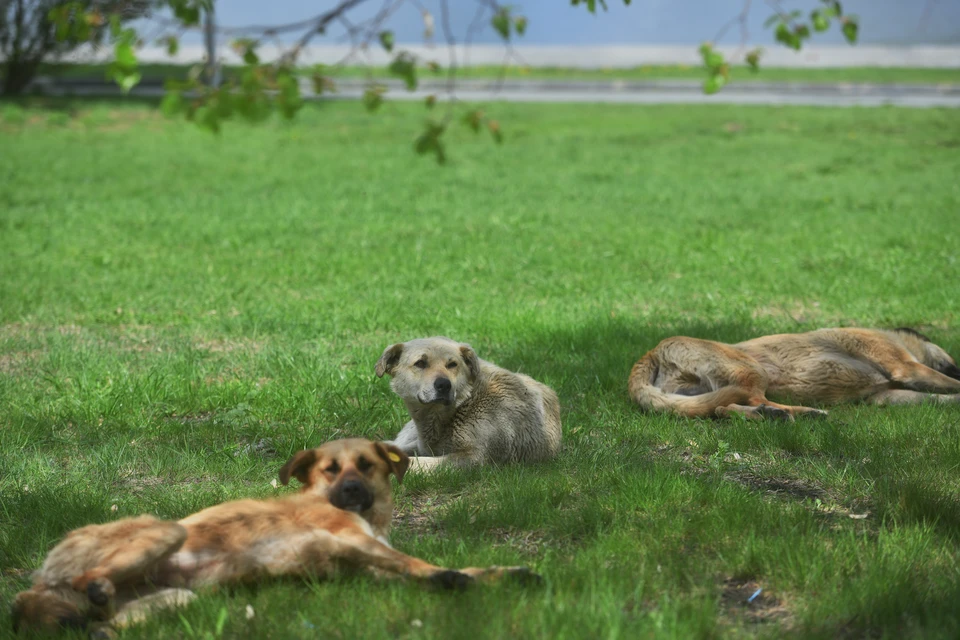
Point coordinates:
[(111, 575), (467, 411), (694, 377)]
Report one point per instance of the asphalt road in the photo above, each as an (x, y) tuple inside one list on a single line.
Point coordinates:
[(620, 92)]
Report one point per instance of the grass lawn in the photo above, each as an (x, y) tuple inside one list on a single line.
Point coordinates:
[(881, 75), (179, 313)]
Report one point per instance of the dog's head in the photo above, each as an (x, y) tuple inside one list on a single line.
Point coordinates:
[(430, 370), (353, 474), (43, 610), (928, 353)]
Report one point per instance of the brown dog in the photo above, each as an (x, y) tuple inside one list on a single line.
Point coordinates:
[(114, 574), (692, 377)]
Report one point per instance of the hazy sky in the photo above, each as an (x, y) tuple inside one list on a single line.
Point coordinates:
[(643, 22)]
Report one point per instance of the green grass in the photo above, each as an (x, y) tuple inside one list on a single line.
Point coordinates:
[(883, 75), (168, 299)]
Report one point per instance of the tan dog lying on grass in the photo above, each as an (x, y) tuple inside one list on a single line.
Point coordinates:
[(692, 377), (111, 575), (468, 411)]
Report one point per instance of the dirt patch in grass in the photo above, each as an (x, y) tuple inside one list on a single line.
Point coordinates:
[(222, 345), (527, 543), (419, 517), (782, 487), (17, 362), (747, 601)]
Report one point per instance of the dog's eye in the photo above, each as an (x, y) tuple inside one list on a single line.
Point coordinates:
[(421, 363), (363, 464), (334, 468), (451, 365)]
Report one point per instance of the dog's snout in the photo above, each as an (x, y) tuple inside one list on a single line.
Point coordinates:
[(442, 385), (352, 489), (351, 495)]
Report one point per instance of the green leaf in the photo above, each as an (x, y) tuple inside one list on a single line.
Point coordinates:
[(373, 97), (405, 66), (429, 142), (494, 128), (250, 56), (288, 94), (321, 83), (520, 24), (769, 22), (173, 45), (850, 28), (802, 31), (386, 39), (834, 7), (820, 21), (124, 56), (186, 13), (172, 103), (473, 119), (115, 27), (753, 59), (714, 84), (129, 81), (501, 22)]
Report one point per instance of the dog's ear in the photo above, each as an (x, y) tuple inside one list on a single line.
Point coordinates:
[(397, 459), (470, 359), (298, 466), (389, 360)]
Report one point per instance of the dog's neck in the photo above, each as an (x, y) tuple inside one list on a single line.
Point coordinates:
[(379, 516), (432, 420)]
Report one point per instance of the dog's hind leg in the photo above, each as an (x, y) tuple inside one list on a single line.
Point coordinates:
[(913, 376), (130, 548), (904, 397), (764, 409)]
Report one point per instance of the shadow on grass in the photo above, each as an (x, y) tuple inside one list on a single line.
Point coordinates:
[(595, 360), (605, 350)]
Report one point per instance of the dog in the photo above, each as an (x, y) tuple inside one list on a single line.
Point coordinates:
[(466, 411), (700, 378), (105, 577)]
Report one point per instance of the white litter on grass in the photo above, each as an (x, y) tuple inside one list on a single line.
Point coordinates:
[(249, 612), (416, 623), (273, 483)]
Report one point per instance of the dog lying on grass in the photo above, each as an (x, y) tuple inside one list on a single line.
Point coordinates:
[(692, 377), (467, 411), (111, 575)]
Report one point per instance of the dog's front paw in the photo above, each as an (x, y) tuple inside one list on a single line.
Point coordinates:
[(525, 576), (451, 580), (100, 591)]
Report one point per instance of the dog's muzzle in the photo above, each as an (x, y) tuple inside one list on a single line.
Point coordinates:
[(351, 495), (440, 393)]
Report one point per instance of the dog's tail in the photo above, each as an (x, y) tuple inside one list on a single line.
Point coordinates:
[(653, 398)]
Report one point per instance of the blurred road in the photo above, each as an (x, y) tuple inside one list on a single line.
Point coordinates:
[(623, 92)]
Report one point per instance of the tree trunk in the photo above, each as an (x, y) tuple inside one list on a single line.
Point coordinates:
[(17, 74)]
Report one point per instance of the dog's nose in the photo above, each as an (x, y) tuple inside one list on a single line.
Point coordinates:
[(351, 489), (442, 385)]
